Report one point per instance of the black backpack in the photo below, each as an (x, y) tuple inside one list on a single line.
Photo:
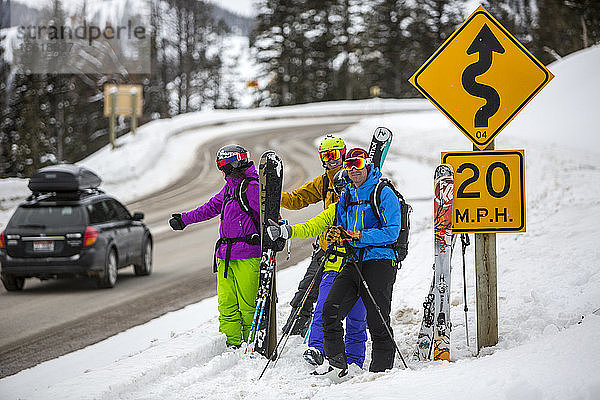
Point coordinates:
[(400, 246)]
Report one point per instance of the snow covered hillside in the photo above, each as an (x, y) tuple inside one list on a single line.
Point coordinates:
[(548, 278)]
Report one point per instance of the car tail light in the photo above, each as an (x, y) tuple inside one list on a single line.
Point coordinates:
[(2, 244), (91, 234)]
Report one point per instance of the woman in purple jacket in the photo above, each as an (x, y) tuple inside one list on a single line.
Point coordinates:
[(237, 252)]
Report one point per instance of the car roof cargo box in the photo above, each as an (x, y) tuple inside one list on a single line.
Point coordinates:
[(63, 178)]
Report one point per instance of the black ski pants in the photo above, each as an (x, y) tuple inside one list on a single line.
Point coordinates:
[(380, 275)]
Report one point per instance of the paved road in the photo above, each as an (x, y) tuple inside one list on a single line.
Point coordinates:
[(52, 318)]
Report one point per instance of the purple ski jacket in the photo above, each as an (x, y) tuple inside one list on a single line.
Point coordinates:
[(234, 222)]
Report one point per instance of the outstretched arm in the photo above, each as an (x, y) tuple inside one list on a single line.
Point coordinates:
[(206, 211)]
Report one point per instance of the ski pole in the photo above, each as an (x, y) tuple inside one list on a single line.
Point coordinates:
[(350, 249), (464, 238), (251, 345), (256, 310), (308, 331), (286, 335)]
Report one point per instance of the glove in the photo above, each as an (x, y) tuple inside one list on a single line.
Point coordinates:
[(276, 231), (339, 235), (333, 234), (350, 236), (176, 222)]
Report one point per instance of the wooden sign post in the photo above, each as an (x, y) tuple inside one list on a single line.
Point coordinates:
[(486, 291)]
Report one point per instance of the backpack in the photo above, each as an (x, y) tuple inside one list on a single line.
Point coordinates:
[(400, 246), (242, 198)]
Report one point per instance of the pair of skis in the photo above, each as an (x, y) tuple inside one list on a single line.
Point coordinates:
[(434, 335), (263, 331)]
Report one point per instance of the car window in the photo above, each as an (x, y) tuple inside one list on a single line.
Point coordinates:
[(119, 210), (48, 217), (98, 212)]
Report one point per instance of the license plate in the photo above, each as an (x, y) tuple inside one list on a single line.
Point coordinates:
[(46, 245)]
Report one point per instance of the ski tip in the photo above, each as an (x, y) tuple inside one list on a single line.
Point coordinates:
[(382, 134), (443, 170)]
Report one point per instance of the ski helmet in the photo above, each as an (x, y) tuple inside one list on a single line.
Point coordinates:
[(232, 157), (332, 145), (339, 181)]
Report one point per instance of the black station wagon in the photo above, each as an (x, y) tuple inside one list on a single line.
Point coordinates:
[(68, 227)]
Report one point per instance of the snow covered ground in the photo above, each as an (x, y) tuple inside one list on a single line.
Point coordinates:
[(548, 278)]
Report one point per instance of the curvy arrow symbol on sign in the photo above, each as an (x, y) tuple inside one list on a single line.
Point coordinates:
[(485, 43)]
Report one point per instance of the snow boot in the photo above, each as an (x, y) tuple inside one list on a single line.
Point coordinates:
[(313, 356), (335, 374)]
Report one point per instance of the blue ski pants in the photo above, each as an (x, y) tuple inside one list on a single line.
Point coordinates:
[(356, 324)]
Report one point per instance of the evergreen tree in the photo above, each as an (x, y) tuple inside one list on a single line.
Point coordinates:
[(4, 110), (27, 130), (278, 42)]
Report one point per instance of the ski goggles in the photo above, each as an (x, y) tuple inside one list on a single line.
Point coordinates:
[(228, 160), (357, 162), (331, 155)]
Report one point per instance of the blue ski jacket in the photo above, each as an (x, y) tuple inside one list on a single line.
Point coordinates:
[(360, 217)]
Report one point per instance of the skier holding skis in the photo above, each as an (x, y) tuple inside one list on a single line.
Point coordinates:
[(366, 240), (332, 151), (237, 252), (356, 323)]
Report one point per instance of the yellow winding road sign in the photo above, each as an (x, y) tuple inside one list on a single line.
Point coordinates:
[(481, 77)]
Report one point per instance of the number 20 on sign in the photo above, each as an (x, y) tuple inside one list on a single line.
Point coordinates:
[(489, 191)]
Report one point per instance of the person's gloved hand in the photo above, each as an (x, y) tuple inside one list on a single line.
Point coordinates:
[(176, 222), (338, 235), (276, 231), (350, 236)]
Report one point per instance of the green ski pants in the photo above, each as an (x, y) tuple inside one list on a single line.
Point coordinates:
[(237, 297)]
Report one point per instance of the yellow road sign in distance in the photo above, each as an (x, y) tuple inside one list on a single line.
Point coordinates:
[(124, 105), (481, 77), (489, 191)]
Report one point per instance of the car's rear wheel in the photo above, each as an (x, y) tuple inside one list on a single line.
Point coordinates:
[(145, 268), (108, 278), (12, 283)]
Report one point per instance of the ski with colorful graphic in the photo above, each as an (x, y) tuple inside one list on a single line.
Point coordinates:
[(434, 335), (263, 332), (442, 211)]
